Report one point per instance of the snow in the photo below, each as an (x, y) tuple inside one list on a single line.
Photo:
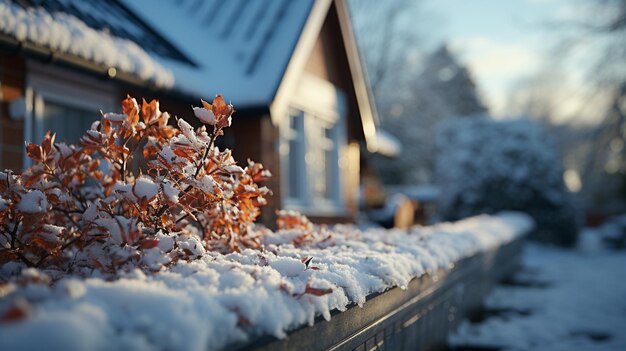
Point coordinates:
[(287, 266), (204, 115), (62, 32), (191, 244), (33, 202), (425, 193), (170, 192), (217, 300), (3, 204), (583, 298), (145, 188), (119, 227), (154, 259), (91, 213), (387, 144), (115, 117), (169, 156), (126, 190), (207, 184)]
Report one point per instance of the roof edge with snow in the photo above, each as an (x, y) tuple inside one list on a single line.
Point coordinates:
[(65, 39)]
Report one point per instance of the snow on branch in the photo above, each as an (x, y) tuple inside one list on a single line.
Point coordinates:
[(66, 214)]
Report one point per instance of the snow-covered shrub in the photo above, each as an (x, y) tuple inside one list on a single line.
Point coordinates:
[(66, 214), (485, 166)]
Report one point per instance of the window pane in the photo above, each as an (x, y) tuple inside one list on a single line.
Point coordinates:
[(315, 158), (331, 164), (68, 122), (330, 174), (318, 170), (312, 163), (296, 166)]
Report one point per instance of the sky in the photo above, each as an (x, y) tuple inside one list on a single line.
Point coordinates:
[(502, 42)]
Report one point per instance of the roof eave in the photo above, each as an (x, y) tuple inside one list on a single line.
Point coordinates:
[(369, 116), (11, 46), (14, 47)]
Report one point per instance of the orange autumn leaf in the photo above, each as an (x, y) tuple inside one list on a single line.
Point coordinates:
[(206, 105), (149, 243), (129, 107), (15, 313), (35, 152), (6, 256), (150, 151), (167, 132), (43, 243), (220, 108), (149, 110), (48, 142), (317, 292)]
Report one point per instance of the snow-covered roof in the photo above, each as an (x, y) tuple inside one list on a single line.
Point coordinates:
[(60, 31), (424, 193), (238, 48), (244, 49), (241, 48)]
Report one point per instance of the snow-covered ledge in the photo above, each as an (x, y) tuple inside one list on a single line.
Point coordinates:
[(374, 284)]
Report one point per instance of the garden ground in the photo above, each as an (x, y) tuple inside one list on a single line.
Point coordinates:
[(560, 300)]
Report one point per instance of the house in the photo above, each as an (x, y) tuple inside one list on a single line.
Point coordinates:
[(291, 68)]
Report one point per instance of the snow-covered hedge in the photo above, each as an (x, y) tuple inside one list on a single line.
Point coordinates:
[(220, 299), (80, 209), (486, 166)]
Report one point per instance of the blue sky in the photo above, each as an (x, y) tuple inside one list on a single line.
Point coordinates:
[(501, 41)]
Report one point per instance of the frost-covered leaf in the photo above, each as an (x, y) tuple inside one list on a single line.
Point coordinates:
[(204, 115)]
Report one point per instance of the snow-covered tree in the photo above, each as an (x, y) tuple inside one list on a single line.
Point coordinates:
[(445, 77), (605, 171), (487, 166), (443, 89)]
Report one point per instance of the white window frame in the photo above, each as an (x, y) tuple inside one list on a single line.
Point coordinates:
[(322, 105), (65, 87)]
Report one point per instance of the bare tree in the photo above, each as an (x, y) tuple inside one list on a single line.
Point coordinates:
[(598, 36), (387, 35), (444, 89), (414, 89), (605, 168)]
